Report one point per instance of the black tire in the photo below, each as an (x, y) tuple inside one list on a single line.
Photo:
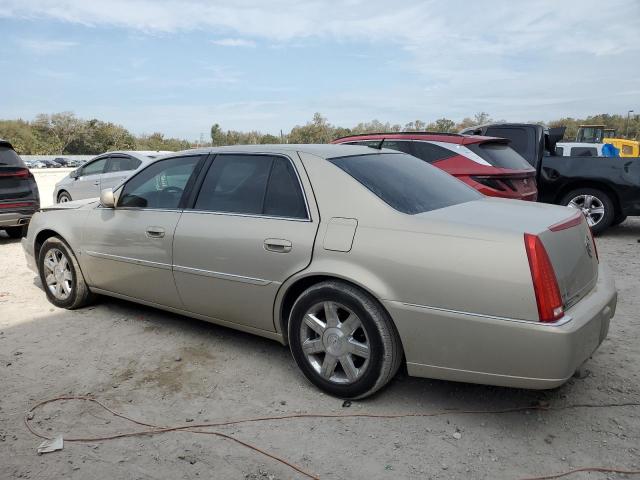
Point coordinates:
[(606, 220), (384, 347), (79, 294), (619, 219), (15, 232), (64, 196)]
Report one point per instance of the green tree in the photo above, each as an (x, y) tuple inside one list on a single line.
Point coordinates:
[(217, 135)]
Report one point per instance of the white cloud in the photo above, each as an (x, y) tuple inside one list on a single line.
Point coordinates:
[(45, 47), (234, 42)]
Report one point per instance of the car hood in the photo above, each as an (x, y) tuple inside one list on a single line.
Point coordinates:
[(84, 203)]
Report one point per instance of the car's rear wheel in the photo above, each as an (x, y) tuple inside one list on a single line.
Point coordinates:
[(619, 219), (596, 206), (64, 197), (15, 232), (343, 340), (61, 276)]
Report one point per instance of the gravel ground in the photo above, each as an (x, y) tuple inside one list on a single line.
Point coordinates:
[(167, 369)]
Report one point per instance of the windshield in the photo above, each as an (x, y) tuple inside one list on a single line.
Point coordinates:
[(406, 183), (8, 157), (499, 155)]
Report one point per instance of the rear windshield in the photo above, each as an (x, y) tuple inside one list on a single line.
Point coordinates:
[(8, 157), (406, 183), (500, 155)]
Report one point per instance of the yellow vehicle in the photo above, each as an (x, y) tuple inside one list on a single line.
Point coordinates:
[(628, 148), (601, 134)]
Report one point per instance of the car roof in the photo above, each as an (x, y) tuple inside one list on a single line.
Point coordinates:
[(453, 138), (324, 150), (144, 155), (5, 143)]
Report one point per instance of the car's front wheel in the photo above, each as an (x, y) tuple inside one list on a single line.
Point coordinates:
[(64, 197), (61, 277), (343, 340)]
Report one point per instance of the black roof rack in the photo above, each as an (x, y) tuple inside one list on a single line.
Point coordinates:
[(401, 133)]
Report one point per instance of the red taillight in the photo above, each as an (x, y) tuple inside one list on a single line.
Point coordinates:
[(21, 172), (576, 219), (544, 279), (17, 205)]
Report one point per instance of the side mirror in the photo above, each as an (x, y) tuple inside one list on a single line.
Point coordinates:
[(107, 199), (75, 174)]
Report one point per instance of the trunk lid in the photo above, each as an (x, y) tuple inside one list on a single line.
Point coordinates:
[(573, 256), (563, 232)]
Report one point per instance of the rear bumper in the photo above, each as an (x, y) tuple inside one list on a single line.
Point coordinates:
[(15, 219), (479, 349), (29, 254)]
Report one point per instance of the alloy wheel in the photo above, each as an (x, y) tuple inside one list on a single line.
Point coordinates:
[(591, 206), (57, 274), (335, 343)]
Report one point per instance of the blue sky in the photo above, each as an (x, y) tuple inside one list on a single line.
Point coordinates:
[(179, 66)]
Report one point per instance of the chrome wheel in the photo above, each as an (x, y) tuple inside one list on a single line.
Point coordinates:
[(57, 274), (335, 342), (591, 206)]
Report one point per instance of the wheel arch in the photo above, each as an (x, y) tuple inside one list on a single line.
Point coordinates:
[(590, 184), (41, 237), (293, 288), (60, 192)]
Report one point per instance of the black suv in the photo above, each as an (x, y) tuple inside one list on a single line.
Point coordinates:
[(19, 197)]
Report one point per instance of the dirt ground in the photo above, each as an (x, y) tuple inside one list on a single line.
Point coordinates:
[(167, 369)]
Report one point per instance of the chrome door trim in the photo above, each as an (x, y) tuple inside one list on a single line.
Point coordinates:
[(134, 261), (248, 215), (223, 276), (563, 321)]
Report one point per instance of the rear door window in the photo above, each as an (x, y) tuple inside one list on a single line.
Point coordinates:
[(400, 145), (584, 152), (252, 185), (406, 183), (9, 158), (499, 155), (122, 164), (431, 153)]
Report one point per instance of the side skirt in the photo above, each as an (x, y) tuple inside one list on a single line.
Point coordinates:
[(255, 331)]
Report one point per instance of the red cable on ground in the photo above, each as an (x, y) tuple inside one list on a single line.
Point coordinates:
[(192, 428)]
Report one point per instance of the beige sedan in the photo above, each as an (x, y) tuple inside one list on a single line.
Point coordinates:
[(359, 259)]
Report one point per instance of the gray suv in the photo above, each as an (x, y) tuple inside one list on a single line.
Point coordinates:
[(19, 197)]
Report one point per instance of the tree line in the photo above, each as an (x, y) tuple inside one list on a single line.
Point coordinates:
[(65, 133)]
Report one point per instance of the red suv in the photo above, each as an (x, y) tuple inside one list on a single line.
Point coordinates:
[(487, 164)]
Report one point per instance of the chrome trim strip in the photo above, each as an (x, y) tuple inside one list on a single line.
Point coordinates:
[(563, 321), (134, 261), (222, 276), (232, 214)]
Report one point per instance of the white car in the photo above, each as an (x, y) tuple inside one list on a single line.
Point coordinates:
[(105, 171)]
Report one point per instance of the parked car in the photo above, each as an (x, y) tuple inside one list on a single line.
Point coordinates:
[(360, 259), (605, 189), (104, 171), (19, 197), (63, 162), (50, 163), (487, 164)]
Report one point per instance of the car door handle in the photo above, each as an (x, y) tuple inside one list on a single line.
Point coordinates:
[(155, 232), (277, 245), (96, 183)]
